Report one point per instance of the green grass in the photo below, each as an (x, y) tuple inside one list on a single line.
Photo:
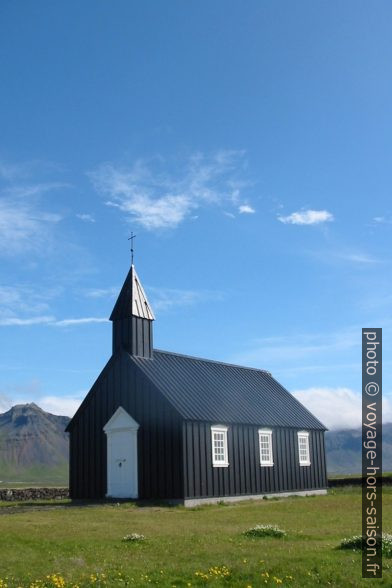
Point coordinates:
[(348, 476), (190, 547), (13, 477)]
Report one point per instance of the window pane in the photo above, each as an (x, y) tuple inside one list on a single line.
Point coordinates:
[(303, 449), (219, 447), (265, 441)]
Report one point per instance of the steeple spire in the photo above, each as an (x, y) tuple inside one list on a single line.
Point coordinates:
[(132, 300), (132, 318)]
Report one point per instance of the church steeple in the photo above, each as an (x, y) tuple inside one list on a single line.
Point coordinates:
[(132, 318)]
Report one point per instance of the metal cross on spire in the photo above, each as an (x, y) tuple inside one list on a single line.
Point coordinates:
[(131, 238)]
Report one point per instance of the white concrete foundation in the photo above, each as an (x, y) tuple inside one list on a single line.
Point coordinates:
[(213, 500)]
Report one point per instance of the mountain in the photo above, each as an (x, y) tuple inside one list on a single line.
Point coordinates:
[(344, 450), (33, 446)]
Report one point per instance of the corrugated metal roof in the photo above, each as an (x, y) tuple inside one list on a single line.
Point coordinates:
[(132, 300), (206, 390)]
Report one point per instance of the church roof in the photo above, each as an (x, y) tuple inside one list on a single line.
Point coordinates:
[(212, 391), (132, 300)]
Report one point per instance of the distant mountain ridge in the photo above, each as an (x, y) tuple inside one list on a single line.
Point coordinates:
[(33, 446), (344, 454)]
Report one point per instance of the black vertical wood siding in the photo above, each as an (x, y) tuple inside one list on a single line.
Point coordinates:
[(175, 455), (244, 475), (159, 437), (134, 334)]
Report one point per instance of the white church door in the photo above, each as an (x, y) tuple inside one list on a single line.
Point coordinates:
[(122, 475)]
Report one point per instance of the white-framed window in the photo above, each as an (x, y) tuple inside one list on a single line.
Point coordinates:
[(219, 446), (303, 448), (265, 447)]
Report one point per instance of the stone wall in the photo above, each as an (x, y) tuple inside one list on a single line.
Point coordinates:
[(386, 481), (18, 494)]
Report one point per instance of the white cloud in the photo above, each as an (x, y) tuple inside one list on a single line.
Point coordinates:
[(337, 408), (23, 322), (363, 258), (24, 225), (110, 292), (9, 295), (5, 402), (29, 190), (383, 220), (158, 199), (164, 299), (246, 209), (88, 218), (333, 256), (302, 347), (79, 321), (163, 213), (22, 306), (10, 171), (26, 302), (49, 320), (307, 217), (59, 405)]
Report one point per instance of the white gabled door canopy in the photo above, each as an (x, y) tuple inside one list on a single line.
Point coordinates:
[(120, 420)]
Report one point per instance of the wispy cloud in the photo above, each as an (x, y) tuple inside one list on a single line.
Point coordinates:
[(24, 224), (110, 292), (25, 305), (360, 258), (338, 408), (5, 402), (340, 254), (307, 217), (29, 190), (59, 405), (383, 220), (22, 298), (23, 322), (49, 320), (87, 218), (165, 299), (161, 194), (11, 171), (23, 227), (313, 356), (300, 346), (246, 209), (79, 321)]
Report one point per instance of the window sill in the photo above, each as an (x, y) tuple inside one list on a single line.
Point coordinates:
[(220, 465), (307, 463), (266, 465)]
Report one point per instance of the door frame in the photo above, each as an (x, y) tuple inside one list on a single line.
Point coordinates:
[(121, 421)]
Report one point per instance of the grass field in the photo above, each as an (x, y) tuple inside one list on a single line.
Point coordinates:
[(39, 475), (82, 545)]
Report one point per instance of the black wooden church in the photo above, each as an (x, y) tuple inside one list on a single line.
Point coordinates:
[(162, 425)]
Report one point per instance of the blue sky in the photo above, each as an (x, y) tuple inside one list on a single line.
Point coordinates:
[(249, 148)]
